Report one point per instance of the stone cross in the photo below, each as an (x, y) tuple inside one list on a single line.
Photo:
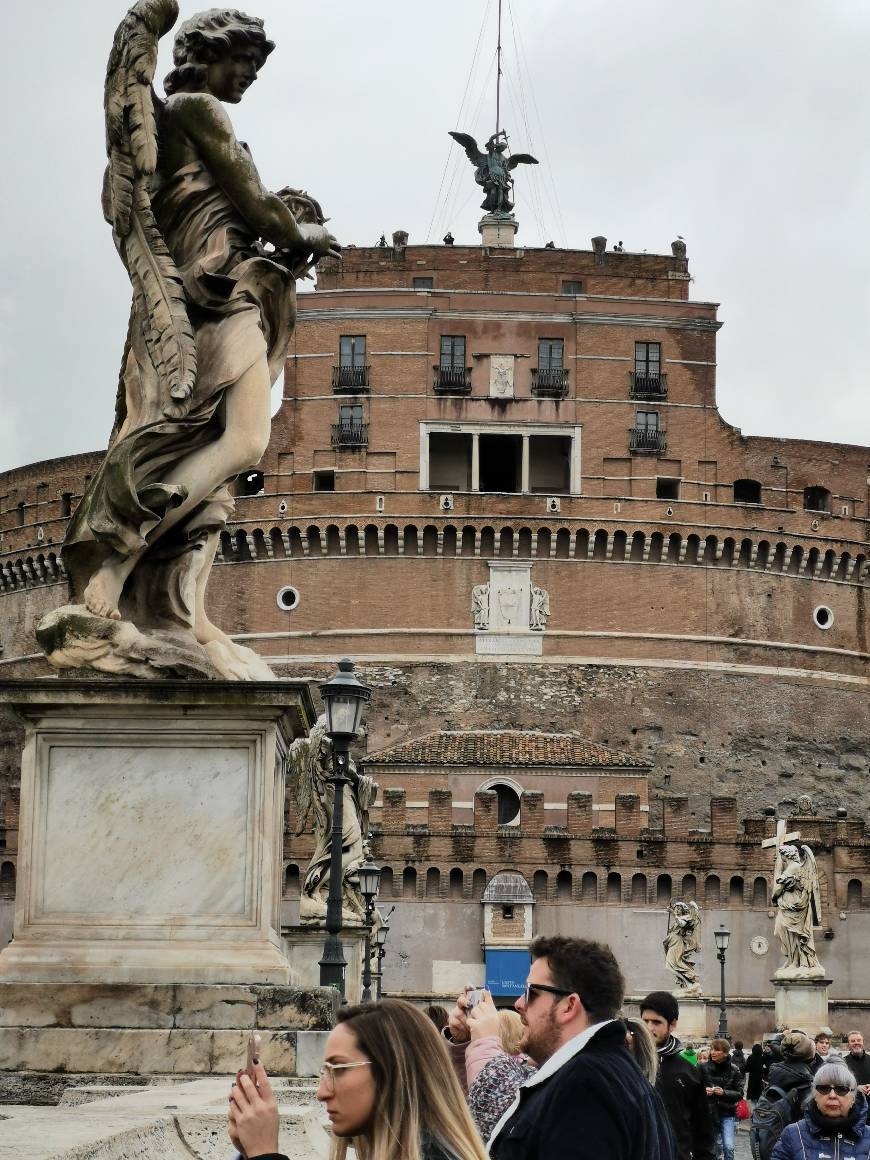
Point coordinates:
[(780, 838)]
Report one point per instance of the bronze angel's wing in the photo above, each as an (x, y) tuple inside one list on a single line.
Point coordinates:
[(131, 108), (516, 159), (469, 144)]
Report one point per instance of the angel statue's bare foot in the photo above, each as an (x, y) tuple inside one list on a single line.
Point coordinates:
[(104, 589), (233, 661)]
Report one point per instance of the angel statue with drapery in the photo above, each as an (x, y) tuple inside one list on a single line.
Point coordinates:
[(310, 762), (492, 170), (682, 943), (797, 897), (213, 258)]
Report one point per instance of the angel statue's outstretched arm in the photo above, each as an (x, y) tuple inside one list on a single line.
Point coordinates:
[(131, 109)]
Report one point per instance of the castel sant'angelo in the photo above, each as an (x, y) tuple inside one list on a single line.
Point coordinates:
[(609, 637)]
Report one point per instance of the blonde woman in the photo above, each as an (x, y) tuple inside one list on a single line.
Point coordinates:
[(388, 1088)]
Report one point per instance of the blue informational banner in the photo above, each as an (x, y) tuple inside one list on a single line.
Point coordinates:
[(506, 972)]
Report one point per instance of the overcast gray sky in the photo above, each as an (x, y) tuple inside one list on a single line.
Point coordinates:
[(740, 124)]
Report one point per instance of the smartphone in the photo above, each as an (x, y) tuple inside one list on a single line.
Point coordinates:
[(254, 1043), (472, 998)]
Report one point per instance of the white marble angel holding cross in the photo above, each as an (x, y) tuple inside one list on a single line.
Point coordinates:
[(682, 943)]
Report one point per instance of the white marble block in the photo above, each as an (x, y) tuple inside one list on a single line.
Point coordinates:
[(802, 1004), (151, 831)]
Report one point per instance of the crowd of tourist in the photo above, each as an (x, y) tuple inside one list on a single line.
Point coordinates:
[(563, 1075)]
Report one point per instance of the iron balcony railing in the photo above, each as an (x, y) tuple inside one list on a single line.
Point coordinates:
[(550, 382), (350, 434), (350, 378), (648, 386), (645, 442), (452, 380)]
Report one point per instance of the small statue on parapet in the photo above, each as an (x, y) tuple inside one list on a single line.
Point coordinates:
[(682, 943), (492, 169), (310, 761)]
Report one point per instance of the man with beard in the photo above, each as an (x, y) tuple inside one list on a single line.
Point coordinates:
[(589, 1099), (678, 1083)]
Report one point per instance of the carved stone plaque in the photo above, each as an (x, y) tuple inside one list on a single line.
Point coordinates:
[(501, 376)]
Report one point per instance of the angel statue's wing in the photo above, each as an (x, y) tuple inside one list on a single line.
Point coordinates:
[(131, 143), (516, 159), (302, 760), (812, 881), (469, 144)]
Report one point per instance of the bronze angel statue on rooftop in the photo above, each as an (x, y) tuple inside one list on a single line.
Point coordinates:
[(213, 258), (492, 169)]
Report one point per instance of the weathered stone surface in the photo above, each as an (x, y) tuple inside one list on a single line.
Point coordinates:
[(312, 1009)]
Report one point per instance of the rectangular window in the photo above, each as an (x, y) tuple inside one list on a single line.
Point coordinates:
[(421, 283), (667, 488), (551, 354), (352, 350), (453, 352), (350, 414), (646, 420), (324, 481), (648, 359), (572, 288)]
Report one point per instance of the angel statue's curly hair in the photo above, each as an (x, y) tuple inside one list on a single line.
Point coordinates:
[(208, 37)]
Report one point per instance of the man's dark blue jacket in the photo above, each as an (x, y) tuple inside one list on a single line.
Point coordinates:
[(592, 1104)]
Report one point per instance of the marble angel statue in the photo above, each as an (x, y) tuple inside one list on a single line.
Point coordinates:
[(310, 761), (213, 259), (682, 943), (797, 898)]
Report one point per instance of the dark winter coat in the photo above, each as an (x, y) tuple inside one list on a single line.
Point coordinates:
[(813, 1137), (728, 1077), (859, 1065), (683, 1093), (790, 1074), (754, 1075), (590, 1100)]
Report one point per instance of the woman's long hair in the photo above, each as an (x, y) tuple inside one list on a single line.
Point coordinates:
[(417, 1092), (643, 1048)]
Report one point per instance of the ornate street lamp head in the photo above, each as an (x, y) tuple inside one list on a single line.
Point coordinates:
[(722, 937), (369, 879), (344, 697)]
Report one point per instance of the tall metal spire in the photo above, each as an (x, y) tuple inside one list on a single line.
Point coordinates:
[(498, 76)]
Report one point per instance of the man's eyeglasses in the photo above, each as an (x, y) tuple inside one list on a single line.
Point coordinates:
[(825, 1089), (533, 989), (330, 1071)]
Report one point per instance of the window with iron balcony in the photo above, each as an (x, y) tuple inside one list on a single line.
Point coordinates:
[(647, 380), (550, 377), (646, 436), (352, 373), (452, 376), (350, 430)]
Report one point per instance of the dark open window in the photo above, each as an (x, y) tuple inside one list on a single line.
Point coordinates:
[(449, 461), (251, 483), (747, 491), (324, 481), (667, 488), (421, 283), (817, 499), (500, 462)]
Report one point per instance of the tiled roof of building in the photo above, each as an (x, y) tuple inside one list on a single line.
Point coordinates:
[(504, 747)]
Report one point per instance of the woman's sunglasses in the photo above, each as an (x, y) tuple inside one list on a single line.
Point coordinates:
[(825, 1089)]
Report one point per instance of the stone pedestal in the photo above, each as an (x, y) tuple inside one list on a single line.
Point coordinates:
[(801, 1004), (151, 835), (304, 949), (498, 229), (692, 1024)]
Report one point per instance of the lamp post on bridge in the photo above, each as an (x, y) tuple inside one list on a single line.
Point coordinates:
[(369, 881), (722, 937), (380, 946), (344, 698)]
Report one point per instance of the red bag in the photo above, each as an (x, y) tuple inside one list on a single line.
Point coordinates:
[(743, 1112)]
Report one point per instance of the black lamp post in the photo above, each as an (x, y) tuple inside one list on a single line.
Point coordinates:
[(722, 937), (380, 941), (344, 698), (369, 880)]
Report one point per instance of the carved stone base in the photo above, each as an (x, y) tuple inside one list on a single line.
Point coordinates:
[(692, 1023), (151, 831), (304, 949), (801, 1004), (73, 638), (498, 229)]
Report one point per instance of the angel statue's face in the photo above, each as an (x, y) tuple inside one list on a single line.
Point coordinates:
[(229, 77)]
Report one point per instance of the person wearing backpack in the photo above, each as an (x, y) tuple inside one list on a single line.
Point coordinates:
[(724, 1084), (834, 1124)]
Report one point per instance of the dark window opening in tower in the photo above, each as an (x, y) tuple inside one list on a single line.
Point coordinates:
[(550, 464), (449, 462), (817, 499), (251, 483), (508, 804), (501, 462), (747, 491)]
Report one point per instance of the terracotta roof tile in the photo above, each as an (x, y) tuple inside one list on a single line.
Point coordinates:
[(504, 747)]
